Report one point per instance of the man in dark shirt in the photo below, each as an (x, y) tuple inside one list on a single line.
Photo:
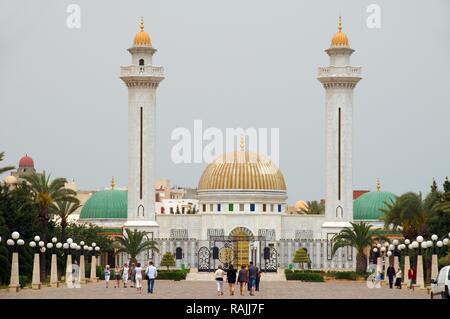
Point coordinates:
[(390, 272), (252, 275)]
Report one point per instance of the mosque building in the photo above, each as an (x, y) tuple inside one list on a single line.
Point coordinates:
[(239, 211)]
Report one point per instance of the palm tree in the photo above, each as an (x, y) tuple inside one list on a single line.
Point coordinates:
[(134, 243), (313, 208), (360, 236), (63, 209), (407, 213), (44, 194), (6, 168)]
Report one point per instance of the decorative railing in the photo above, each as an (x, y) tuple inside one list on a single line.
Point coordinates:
[(339, 71), (144, 70)]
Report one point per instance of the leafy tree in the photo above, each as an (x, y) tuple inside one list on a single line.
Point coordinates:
[(16, 214), (6, 168), (301, 257), (313, 208), (360, 236), (438, 211), (63, 209), (168, 260), (406, 213), (44, 193), (134, 243)]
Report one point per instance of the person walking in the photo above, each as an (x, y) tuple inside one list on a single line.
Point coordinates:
[(258, 280), (138, 277), (242, 278), (117, 277), (411, 278), (151, 273), (125, 273), (218, 276), (390, 272), (252, 275), (231, 278), (133, 275), (107, 274), (398, 279)]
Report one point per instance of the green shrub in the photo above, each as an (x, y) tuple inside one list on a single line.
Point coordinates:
[(24, 280), (348, 275), (176, 275), (444, 261), (310, 276), (99, 272)]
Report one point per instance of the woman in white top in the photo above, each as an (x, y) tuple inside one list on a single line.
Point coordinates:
[(125, 271), (138, 272), (107, 273), (218, 275), (398, 279)]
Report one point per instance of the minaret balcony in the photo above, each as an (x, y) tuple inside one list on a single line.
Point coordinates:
[(142, 70), (339, 71)]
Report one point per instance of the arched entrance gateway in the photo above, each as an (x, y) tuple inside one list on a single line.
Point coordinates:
[(242, 252), (239, 248)]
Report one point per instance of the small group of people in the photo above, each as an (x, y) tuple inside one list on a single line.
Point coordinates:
[(245, 277), (392, 274), (136, 275)]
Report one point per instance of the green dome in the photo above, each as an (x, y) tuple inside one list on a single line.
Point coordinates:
[(111, 203), (368, 205)]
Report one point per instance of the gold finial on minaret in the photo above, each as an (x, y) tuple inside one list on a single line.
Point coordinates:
[(142, 23), (340, 24), (378, 185), (242, 143), (113, 183)]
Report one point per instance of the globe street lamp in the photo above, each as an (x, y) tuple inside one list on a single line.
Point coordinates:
[(36, 244), (54, 245), (69, 245), (420, 244), (15, 242), (93, 276), (83, 249)]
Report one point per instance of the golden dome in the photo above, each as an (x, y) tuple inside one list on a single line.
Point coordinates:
[(339, 38), (300, 204), (242, 170), (142, 37), (10, 180)]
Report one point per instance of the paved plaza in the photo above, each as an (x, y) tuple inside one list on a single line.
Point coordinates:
[(203, 290)]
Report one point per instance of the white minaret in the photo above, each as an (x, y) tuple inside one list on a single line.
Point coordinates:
[(142, 80), (339, 79)]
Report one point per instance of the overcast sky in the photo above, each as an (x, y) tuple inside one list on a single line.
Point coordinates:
[(231, 64)]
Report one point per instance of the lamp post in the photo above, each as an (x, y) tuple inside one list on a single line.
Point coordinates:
[(54, 282), (379, 260), (83, 248), (384, 249), (68, 246), (36, 244), (420, 244), (15, 242), (434, 257), (406, 260), (93, 263)]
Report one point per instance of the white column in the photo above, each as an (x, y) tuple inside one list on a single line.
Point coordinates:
[(318, 255), (14, 284), (54, 272), (379, 265), (93, 269), (36, 279), (192, 253), (434, 266), (405, 272), (396, 263), (69, 277), (386, 265), (82, 279), (420, 279), (289, 247)]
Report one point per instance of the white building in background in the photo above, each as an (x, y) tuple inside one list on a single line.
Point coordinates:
[(239, 212)]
